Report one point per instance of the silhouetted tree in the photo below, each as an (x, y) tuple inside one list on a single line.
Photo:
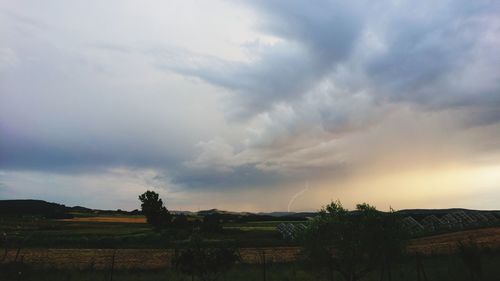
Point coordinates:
[(353, 243), (154, 210)]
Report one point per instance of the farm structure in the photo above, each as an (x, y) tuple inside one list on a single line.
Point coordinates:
[(290, 231), (452, 221)]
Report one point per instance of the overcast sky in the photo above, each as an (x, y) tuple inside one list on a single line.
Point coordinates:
[(251, 105)]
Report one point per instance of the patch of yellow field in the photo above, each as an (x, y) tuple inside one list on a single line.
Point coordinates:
[(108, 219)]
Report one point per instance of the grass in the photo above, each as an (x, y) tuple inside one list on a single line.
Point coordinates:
[(262, 223)]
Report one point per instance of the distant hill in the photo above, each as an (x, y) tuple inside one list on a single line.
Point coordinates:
[(248, 217), (54, 210), (33, 207), (50, 210), (416, 213), (221, 212), (271, 214), (421, 213), (290, 214), (79, 209)]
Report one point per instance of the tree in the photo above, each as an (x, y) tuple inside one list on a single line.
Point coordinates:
[(154, 210), (353, 243)]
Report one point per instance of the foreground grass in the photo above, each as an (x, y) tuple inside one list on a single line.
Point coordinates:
[(442, 268)]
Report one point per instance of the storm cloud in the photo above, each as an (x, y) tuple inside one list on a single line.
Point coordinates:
[(245, 97)]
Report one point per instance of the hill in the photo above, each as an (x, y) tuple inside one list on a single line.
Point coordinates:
[(55, 210), (33, 208)]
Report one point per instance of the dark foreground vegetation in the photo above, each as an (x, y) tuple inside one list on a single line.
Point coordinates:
[(437, 268)]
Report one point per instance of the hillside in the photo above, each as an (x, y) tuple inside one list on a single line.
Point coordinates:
[(33, 207), (55, 210)]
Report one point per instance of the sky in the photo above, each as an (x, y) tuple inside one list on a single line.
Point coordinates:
[(251, 105)]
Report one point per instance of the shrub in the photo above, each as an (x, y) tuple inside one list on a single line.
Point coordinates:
[(206, 263)]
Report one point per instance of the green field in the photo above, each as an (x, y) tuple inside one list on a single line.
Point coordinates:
[(39, 232)]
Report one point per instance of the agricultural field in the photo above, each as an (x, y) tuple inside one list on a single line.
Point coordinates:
[(132, 232), (85, 247), (108, 219), (134, 245), (447, 243), (53, 233), (116, 231)]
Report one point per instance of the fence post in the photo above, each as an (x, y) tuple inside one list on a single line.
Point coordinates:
[(263, 262), (112, 265), (17, 253), (6, 247), (420, 268)]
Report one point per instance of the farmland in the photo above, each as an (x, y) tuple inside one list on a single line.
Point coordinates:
[(109, 219), (282, 262), (132, 232), (126, 232), (87, 245), (130, 254)]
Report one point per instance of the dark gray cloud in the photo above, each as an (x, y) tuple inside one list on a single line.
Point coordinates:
[(370, 56), (240, 176), (328, 29), (316, 38), (83, 155), (280, 73), (428, 49), (431, 55)]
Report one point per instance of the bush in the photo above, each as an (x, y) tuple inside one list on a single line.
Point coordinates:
[(353, 243), (206, 263), (211, 223)]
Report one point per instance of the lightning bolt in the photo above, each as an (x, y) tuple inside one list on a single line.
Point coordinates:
[(297, 195)]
